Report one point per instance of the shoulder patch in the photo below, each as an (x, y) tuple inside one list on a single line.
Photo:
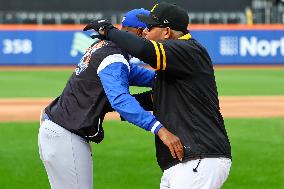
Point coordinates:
[(85, 60)]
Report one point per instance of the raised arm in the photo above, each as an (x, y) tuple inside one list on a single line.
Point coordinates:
[(148, 51)]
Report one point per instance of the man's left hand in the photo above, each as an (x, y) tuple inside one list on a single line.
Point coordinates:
[(172, 142)]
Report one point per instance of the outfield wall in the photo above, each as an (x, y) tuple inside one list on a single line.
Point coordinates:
[(64, 45)]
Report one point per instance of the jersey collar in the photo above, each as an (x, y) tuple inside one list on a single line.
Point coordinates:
[(185, 37)]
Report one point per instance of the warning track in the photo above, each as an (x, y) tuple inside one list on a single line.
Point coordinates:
[(28, 109)]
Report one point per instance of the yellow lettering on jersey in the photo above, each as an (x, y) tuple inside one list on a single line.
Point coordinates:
[(186, 37), (164, 56), (157, 54)]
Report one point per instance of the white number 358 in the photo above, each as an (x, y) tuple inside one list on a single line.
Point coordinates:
[(17, 46)]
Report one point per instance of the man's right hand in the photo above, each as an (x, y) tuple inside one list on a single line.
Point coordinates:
[(172, 142), (97, 25)]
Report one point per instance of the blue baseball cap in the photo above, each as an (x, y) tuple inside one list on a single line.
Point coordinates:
[(130, 19)]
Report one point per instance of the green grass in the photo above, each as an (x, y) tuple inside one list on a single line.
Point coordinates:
[(32, 83), (258, 153), (250, 82), (230, 82), (126, 158)]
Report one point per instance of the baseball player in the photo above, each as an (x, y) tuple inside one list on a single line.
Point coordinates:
[(185, 97), (99, 83)]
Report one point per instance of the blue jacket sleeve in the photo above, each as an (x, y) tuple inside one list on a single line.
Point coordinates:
[(114, 73), (140, 76)]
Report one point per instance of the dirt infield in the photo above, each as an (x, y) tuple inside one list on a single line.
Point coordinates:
[(231, 107)]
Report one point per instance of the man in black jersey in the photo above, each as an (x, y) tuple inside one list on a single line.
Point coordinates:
[(185, 97), (73, 119)]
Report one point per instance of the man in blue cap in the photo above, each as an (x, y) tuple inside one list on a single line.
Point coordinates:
[(74, 119), (131, 23)]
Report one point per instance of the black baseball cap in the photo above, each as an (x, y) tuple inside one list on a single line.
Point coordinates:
[(167, 15)]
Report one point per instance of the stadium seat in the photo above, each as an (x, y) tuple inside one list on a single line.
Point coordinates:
[(47, 18), (88, 17), (10, 18), (85, 18), (196, 18), (233, 18), (1, 17), (28, 18), (69, 18)]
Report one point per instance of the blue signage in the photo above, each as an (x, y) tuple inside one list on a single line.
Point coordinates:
[(244, 46), (67, 47), (43, 47)]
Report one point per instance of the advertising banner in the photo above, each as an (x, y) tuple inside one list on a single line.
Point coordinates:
[(65, 47), (42, 47), (243, 47)]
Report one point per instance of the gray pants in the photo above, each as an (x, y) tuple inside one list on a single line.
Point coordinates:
[(67, 157)]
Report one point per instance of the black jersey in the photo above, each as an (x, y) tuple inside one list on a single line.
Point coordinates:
[(185, 95), (186, 102), (83, 104)]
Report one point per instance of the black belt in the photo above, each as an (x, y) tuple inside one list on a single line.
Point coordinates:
[(44, 117)]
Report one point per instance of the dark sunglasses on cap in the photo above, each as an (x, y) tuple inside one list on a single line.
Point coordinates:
[(160, 24), (150, 27)]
